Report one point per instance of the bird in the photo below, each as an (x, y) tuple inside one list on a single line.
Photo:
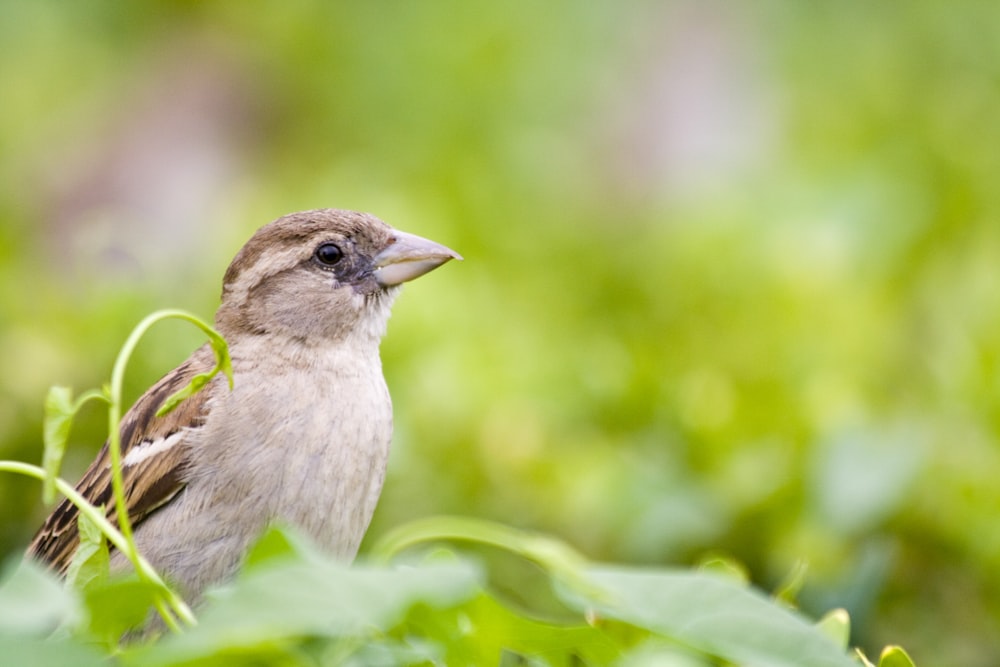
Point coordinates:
[(300, 438)]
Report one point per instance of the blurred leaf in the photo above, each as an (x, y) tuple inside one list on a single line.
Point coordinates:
[(33, 601), (714, 615), (836, 624), (60, 409), (658, 653), (91, 562), (479, 630), (274, 543), (309, 595), (410, 651), (117, 605), (29, 652), (862, 476), (55, 432), (895, 656), (789, 588), (722, 566), (556, 557)]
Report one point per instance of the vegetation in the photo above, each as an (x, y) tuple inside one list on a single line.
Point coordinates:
[(730, 292)]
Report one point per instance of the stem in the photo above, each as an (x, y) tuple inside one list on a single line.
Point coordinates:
[(114, 536), (552, 554), (115, 449), (114, 420)]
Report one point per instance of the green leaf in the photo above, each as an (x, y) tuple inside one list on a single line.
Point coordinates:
[(836, 625), (790, 587), (711, 614), (724, 566), (33, 652), (60, 409), (117, 605), (193, 387), (33, 601), (56, 426), (894, 656), (411, 651), (658, 653), (223, 364), (561, 561), (91, 562), (277, 543), (308, 595), (478, 631)]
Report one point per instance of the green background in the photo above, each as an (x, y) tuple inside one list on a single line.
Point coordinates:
[(731, 279)]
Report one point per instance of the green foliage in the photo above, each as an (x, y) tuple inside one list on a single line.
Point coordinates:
[(731, 279), (223, 364), (894, 656), (32, 602), (836, 625), (293, 605), (91, 561), (89, 567), (60, 408)]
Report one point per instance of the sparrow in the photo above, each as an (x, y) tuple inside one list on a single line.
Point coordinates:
[(303, 435)]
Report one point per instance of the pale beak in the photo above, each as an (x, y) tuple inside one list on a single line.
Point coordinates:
[(408, 257)]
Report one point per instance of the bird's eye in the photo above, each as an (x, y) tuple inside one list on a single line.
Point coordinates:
[(329, 254)]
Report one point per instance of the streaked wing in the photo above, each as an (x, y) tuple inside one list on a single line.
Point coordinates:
[(154, 456)]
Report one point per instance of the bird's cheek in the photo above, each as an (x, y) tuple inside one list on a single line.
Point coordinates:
[(366, 285)]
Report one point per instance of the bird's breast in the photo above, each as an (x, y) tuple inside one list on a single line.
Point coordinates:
[(306, 446)]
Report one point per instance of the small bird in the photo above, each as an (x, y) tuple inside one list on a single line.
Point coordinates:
[(303, 435)]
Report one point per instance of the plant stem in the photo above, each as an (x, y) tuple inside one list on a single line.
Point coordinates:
[(114, 536)]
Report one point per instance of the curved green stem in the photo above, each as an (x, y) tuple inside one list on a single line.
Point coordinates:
[(115, 410), (114, 436), (558, 558), (115, 537)]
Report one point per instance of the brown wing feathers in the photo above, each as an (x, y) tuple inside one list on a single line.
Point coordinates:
[(152, 475)]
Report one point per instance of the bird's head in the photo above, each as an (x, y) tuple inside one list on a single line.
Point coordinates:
[(322, 275)]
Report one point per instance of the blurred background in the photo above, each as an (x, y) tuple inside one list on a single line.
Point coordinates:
[(731, 280)]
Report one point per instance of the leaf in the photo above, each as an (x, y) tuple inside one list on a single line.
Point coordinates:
[(711, 614), (836, 625), (894, 656), (91, 562), (223, 362), (478, 631), (411, 651), (193, 387), (723, 566), (790, 587), (277, 543), (657, 653), (56, 426), (32, 652), (60, 409), (308, 595), (116, 605), (33, 601)]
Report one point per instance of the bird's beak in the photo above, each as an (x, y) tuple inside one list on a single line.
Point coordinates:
[(408, 257)]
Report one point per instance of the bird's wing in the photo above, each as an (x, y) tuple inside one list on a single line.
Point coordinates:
[(154, 457)]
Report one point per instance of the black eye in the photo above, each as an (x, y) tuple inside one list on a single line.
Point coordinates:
[(329, 254)]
